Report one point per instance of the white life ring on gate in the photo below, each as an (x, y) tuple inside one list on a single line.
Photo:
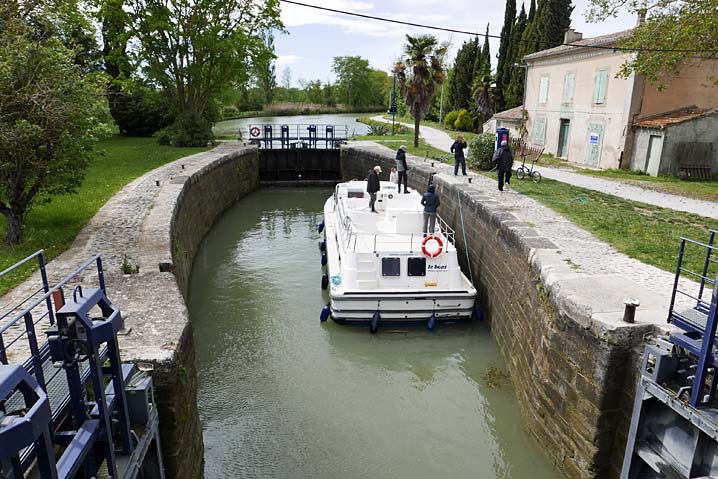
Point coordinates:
[(254, 131), (435, 251)]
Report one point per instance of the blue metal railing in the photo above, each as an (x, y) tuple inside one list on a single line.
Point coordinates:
[(698, 322)]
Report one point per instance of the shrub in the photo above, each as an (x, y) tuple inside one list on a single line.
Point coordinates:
[(138, 109), (450, 119), (189, 129), (481, 149), (464, 121), (381, 128), (229, 111)]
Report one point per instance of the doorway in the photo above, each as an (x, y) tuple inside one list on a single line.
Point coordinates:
[(563, 134), (653, 158)]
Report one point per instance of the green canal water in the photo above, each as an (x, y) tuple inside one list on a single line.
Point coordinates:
[(283, 396)]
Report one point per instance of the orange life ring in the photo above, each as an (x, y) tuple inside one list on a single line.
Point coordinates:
[(437, 252), (254, 131)]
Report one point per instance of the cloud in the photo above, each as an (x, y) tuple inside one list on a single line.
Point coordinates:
[(287, 59)]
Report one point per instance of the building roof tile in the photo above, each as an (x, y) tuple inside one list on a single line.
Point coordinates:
[(603, 40), (676, 116), (512, 114)]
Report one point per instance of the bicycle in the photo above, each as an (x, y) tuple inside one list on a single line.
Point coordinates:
[(523, 171)]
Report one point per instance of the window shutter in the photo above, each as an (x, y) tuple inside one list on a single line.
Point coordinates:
[(543, 90), (600, 87), (568, 86)]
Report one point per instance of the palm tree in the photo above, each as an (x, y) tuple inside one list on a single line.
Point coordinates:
[(420, 74)]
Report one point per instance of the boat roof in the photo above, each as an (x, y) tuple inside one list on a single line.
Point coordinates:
[(398, 226)]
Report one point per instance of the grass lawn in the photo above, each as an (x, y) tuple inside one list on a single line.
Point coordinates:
[(645, 232), (53, 226), (434, 124)]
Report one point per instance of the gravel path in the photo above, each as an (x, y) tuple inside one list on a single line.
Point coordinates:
[(709, 209)]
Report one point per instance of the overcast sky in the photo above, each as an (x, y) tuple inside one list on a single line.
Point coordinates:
[(314, 37)]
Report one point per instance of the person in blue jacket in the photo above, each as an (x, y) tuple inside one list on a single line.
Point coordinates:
[(431, 202)]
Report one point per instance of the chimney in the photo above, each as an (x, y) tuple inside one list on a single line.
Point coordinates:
[(641, 16), (572, 35)]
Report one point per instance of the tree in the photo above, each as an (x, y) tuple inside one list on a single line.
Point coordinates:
[(420, 74), (464, 71), (513, 75), (553, 21), (287, 78), (504, 49), (361, 86), (50, 116), (265, 69), (484, 66), (195, 48), (486, 96), (670, 26)]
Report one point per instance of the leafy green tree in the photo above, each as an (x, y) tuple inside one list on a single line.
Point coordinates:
[(360, 86), (464, 71), (504, 50), (670, 26), (420, 74), (194, 49), (264, 68), (51, 115)]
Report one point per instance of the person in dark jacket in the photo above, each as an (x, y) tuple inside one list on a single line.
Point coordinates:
[(431, 202), (401, 167), (457, 148), (372, 186), (504, 161)]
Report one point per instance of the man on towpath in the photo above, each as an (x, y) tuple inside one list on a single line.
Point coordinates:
[(504, 161)]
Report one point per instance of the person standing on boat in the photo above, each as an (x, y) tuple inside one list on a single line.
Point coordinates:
[(504, 160), (372, 186), (431, 202), (457, 148), (401, 167), (393, 176)]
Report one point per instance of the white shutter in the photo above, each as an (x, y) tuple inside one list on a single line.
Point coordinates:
[(543, 90)]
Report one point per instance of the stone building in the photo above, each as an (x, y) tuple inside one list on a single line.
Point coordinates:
[(682, 142), (510, 119), (580, 110)]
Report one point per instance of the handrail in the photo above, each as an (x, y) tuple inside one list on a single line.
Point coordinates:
[(95, 259), (22, 262)]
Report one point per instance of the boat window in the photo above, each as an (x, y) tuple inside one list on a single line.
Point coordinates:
[(391, 266), (355, 194), (417, 267)]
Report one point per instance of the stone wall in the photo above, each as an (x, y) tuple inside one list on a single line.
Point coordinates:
[(157, 223), (572, 360)]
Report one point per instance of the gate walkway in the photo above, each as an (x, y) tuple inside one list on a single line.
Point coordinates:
[(443, 141)]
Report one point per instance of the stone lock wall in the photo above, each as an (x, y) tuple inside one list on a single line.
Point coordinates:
[(157, 222), (572, 361)]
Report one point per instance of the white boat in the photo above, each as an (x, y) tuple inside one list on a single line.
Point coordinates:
[(381, 268)]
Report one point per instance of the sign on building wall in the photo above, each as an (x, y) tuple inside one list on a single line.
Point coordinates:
[(593, 139)]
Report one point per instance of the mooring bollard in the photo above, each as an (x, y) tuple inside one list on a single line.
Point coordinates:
[(157, 182), (469, 179), (629, 314)]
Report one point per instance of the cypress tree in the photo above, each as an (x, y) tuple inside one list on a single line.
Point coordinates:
[(504, 47), (514, 76), (463, 74), (553, 20), (485, 63), (532, 11)]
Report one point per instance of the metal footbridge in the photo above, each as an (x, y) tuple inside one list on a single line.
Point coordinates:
[(674, 427), (69, 407)]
